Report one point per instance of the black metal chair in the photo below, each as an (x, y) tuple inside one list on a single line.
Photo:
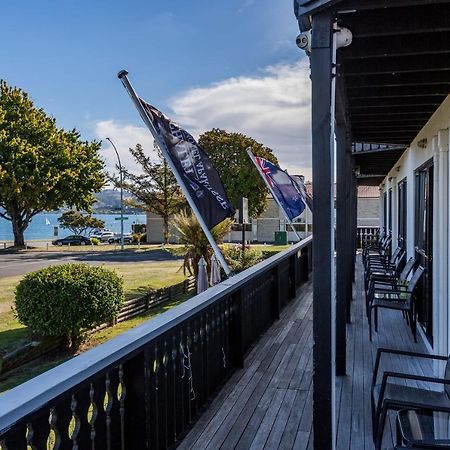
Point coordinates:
[(397, 299), (388, 280), (373, 239), (382, 268), (423, 427), (389, 395), (382, 249)]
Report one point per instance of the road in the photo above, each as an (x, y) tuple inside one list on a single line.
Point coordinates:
[(12, 264)]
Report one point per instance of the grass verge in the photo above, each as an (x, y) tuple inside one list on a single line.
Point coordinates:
[(36, 367), (138, 279)]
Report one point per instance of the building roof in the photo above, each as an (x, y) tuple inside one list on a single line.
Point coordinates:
[(393, 76), (363, 191)]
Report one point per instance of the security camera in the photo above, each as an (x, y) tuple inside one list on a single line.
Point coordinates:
[(303, 41)]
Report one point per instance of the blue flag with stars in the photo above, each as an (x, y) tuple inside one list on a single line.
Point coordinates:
[(287, 190)]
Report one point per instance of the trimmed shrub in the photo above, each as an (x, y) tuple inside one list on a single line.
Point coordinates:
[(95, 241), (139, 237), (68, 300), (239, 260)]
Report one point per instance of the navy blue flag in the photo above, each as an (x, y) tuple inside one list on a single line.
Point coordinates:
[(287, 190), (194, 166)]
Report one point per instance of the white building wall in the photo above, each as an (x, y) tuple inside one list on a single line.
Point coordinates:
[(437, 146)]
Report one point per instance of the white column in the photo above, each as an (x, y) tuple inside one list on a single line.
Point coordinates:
[(394, 212), (442, 295), (438, 316)]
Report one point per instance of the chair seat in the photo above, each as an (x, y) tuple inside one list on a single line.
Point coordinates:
[(390, 304), (398, 393)]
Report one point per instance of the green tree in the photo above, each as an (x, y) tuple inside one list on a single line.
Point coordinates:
[(239, 175), (42, 167), (78, 223), (155, 189)]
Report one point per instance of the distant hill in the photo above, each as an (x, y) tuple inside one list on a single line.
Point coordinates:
[(108, 200)]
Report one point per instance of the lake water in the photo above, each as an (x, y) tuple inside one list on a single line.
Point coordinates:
[(42, 225)]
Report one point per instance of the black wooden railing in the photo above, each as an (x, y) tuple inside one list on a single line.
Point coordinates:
[(365, 233), (145, 388)]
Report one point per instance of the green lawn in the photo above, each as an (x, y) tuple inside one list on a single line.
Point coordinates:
[(94, 248), (138, 279), (35, 368)]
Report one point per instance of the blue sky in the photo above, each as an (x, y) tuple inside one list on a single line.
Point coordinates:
[(232, 64)]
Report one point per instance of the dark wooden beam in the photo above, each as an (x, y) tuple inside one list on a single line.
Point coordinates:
[(428, 18), (342, 226), (382, 102), (324, 417), (306, 8), (400, 64), (384, 80), (412, 119), (415, 44), (422, 113), (410, 91), (387, 126)]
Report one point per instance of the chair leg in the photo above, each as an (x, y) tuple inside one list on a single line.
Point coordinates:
[(376, 318), (413, 326), (374, 424), (370, 323), (380, 428)]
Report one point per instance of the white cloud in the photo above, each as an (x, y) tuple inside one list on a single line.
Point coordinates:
[(273, 107), (124, 137)]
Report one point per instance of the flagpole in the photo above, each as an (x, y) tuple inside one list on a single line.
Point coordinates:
[(132, 93), (252, 157)]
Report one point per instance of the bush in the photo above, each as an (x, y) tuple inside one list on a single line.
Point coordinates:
[(239, 260), (139, 237), (194, 240), (68, 300), (95, 241)]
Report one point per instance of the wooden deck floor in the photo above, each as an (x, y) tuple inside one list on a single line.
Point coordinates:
[(268, 404)]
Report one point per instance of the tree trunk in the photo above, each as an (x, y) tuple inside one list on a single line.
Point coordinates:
[(18, 226), (166, 229)]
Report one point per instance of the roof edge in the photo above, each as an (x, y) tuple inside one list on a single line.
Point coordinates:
[(305, 8)]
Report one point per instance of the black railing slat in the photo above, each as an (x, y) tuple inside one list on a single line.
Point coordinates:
[(149, 396)]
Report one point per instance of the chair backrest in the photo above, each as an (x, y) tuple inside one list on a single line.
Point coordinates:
[(447, 377), (415, 278), (387, 243), (395, 255), (399, 261), (404, 274)]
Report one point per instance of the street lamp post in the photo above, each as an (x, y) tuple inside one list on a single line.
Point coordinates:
[(121, 194)]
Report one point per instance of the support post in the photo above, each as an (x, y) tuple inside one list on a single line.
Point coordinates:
[(354, 225), (442, 143), (324, 417), (343, 256)]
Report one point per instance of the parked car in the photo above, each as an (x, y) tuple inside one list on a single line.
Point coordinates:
[(72, 240), (127, 238), (105, 236)]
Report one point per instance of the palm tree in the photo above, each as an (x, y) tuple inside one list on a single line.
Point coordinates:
[(195, 242)]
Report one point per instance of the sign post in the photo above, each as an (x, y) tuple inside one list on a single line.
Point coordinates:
[(243, 217)]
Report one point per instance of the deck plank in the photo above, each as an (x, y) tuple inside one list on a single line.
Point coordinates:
[(268, 403)]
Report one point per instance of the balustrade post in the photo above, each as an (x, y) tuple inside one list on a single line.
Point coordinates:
[(276, 304), (293, 275), (237, 336)]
